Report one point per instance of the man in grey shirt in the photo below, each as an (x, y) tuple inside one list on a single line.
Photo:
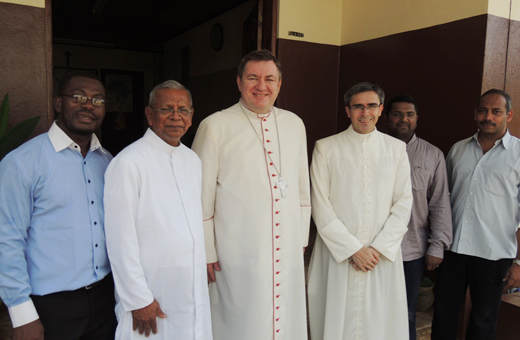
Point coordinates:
[(430, 228)]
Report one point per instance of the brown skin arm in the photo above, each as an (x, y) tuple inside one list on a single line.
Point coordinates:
[(211, 271), (31, 331), (512, 278), (144, 319), (432, 262)]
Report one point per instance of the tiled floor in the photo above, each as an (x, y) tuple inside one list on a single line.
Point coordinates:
[(424, 324), (424, 321)]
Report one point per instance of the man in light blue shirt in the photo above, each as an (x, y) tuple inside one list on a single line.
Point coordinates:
[(54, 270), (484, 180)]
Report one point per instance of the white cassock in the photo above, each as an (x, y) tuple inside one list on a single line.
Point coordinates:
[(361, 196), (155, 238), (256, 234)]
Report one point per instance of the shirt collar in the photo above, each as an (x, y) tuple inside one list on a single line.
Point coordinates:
[(505, 140), (60, 140), (413, 139)]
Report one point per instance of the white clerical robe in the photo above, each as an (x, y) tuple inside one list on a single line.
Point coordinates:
[(256, 234), (362, 196), (155, 238)]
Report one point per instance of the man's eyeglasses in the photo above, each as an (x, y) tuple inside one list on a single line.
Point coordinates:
[(399, 114), (360, 108), (82, 99), (167, 112)]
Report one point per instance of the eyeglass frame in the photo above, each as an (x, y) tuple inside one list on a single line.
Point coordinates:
[(171, 111), (76, 98), (360, 108)]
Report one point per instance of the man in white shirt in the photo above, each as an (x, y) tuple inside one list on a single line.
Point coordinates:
[(362, 200), (154, 227), (484, 180)]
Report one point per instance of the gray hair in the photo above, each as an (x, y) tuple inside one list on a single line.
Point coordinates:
[(169, 85), (364, 87)]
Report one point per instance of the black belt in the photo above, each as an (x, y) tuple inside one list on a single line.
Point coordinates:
[(97, 283)]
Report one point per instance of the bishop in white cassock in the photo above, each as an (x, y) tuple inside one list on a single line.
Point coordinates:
[(362, 200), (256, 203), (154, 230)]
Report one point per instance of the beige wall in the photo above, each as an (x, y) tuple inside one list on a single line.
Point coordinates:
[(319, 21), (34, 3), (341, 22), (370, 19)]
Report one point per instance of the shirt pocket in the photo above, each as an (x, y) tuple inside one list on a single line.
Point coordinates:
[(421, 178)]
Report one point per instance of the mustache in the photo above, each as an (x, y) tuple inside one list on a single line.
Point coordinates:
[(486, 122)]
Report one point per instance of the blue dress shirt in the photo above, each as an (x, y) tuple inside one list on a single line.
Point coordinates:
[(485, 196), (51, 220)]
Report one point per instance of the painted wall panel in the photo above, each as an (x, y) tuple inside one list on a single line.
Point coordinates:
[(512, 85), (441, 66), (24, 64), (310, 85)]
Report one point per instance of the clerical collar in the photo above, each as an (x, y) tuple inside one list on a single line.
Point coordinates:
[(258, 115), (158, 143), (361, 136)]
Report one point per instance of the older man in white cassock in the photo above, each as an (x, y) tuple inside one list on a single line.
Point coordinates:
[(256, 203), (154, 230), (362, 200)]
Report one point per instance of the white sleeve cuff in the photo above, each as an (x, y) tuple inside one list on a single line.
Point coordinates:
[(23, 313)]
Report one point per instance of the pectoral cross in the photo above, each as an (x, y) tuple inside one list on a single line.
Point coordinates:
[(283, 185)]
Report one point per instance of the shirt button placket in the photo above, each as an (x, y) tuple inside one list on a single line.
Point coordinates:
[(93, 211), (366, 196)]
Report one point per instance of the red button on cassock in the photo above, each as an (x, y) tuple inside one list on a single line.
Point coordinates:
[(277, 224), (268, 141), (278, 249), (277, 212), (277, 236), (277, 273), (277, 307)]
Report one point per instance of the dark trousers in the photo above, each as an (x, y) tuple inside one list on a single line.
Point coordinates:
[(413, 271), (485, 281), (81, 314)]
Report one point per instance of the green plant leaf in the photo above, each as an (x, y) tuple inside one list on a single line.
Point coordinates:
[(4, 115), (17, 135)]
